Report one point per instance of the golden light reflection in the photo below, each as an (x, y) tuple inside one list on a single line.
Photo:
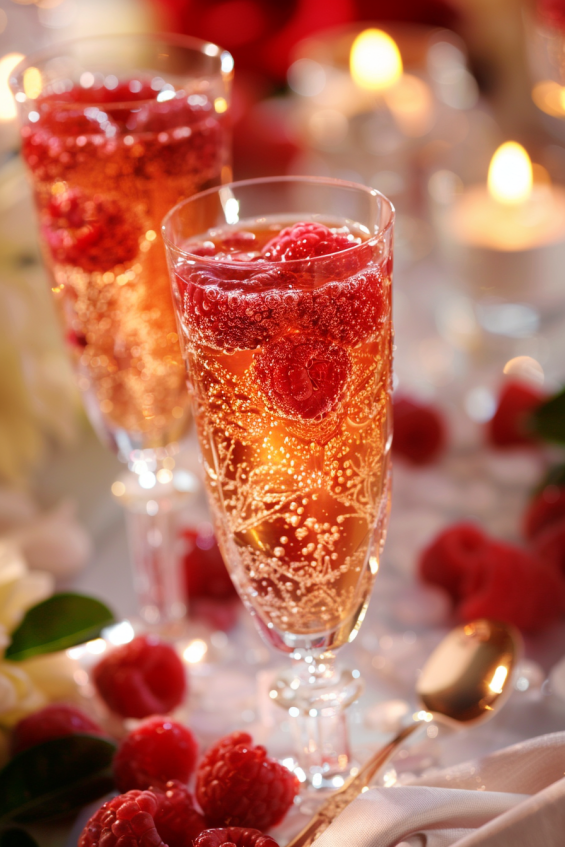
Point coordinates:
[(195, 651), (33, 83), (549, 96), (7, 102), (510, 175), (499, 678), (411, 103), (375, 61)]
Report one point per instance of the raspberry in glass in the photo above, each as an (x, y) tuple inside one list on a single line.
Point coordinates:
[(142, 678), (157, 751), (546, 508), (233, 835), (237, 784), (509, 425), (156, 818), (53, 721), (91, 233), (303, 377), (306, 241), (419, 431)]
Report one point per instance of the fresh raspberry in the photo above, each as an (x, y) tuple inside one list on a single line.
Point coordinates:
[(233, 835), (54, 721), (206, 575), (547, 508), (237, 784), (549, 545), (455, 559), (144, 677), (419, 432), (306, 241), (177, 821), (154, 753), (303, 377), (157, 818), (508, 427), (127, 821), (516, 588), (90, 233)]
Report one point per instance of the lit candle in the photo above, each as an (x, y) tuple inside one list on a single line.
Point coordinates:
[(507, 237), (376, 65), (8, 128)]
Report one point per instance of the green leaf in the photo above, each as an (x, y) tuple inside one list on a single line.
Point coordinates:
[(57, 623), (16, 838), (56, 778), (548, 420)]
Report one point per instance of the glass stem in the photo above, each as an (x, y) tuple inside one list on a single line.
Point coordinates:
[(153, 505), (316, 695)]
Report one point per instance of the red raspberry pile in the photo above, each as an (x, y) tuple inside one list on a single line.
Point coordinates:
[(92, 233), (233, 836), (419, 432), (237, 784), (489, 578), (144, 677), (303, 378), (508, 427), (154, 753), (156, 818), (54, 721)]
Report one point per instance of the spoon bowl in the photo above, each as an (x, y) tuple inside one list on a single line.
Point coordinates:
[(465, 681)]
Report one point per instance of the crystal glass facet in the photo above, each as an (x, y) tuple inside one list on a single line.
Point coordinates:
[(289, 364)]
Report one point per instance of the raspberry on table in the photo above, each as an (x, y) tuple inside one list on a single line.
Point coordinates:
[(454, 559), (233, 835), (142, 678), (237, 784), (303, 377), (419, 431), (306, 240), (205, 572), (508, 427), (549, 544), (177, 821), (124, 821), (156, 818), (154, 753), (53, 721), (546, 509)]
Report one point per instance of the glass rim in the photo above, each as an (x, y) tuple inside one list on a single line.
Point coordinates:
[(316, 180), (189, 42)]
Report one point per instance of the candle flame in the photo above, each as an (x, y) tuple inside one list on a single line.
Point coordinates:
[(499, 678), (375, 60), (7, 103), (510, 175)]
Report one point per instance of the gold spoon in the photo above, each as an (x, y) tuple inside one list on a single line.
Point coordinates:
[(464, 682)]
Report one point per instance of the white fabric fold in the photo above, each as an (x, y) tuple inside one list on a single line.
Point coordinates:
[(512, 798)]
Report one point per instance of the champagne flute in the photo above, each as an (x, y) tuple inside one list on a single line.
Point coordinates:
[(116, 130), (282, 290)]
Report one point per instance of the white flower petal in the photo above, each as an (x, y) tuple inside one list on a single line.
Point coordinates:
[(23, 594), (56, 543)]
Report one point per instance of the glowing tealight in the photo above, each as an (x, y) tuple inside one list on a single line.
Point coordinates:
[(375, 61), (195, 651), (33, 83), (7, 104), (510, 175)]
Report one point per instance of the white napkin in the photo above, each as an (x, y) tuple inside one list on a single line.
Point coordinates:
[(512, 798)]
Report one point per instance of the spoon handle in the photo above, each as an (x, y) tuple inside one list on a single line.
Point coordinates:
[(336, 803)]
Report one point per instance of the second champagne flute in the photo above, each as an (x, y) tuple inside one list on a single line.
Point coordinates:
[(115, 131)]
